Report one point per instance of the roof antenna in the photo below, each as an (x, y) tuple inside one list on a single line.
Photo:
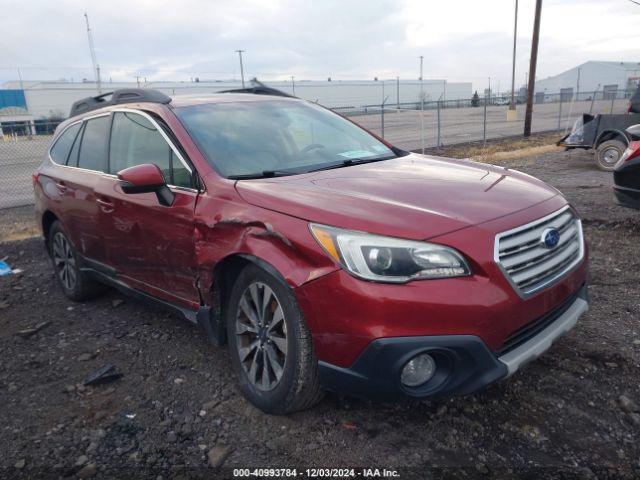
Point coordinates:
[(96, 67)]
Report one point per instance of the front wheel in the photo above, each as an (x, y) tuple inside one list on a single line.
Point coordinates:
[(608, 153), (270, 344), (74, 283)]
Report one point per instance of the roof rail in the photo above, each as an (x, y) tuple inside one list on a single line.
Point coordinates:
[(260, 88), (117, 97)]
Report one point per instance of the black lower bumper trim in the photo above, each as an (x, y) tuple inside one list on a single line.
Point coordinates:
[(627, 197), (533, 328), (464, 365)]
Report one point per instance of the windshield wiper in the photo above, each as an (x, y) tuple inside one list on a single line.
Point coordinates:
[(348, 162), (283, 173), (263, 174)]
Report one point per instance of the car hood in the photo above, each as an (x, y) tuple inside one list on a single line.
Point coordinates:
[(414, 196)]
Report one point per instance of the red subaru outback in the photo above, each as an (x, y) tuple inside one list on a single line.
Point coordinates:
[(326, 258)]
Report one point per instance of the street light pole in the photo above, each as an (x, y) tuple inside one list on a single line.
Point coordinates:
[(240, 52), (512, 104)]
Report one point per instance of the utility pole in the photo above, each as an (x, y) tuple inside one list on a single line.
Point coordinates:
[(532, 69), (511, 113), (578, 85), (138, 80), (293, 85), (240, 52), (96, 67), (398, 93)]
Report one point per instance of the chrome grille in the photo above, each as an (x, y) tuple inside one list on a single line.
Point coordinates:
[(528, 263)]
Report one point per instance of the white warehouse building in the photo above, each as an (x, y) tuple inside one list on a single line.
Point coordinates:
[(593, 76), (51, 99)]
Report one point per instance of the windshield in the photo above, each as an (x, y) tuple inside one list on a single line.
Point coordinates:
[(277, 137)]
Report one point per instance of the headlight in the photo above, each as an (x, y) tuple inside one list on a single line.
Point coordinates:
[(388, 259)]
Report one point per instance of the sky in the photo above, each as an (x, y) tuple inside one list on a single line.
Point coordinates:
[(461, 40)]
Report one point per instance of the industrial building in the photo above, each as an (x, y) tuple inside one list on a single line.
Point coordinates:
[(606, 78), (35, 101)]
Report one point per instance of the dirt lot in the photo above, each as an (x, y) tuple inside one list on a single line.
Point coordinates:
[(574, 412)]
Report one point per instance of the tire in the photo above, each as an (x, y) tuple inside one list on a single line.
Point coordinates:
[(74, 284), (608, 153), (290, 380)]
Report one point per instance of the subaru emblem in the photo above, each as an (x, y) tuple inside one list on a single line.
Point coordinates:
[(550, 237)]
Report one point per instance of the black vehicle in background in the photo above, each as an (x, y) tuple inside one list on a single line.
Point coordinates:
[(605, 133), (626, 176)]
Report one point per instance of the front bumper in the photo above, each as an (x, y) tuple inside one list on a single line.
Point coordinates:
[(464, 362)]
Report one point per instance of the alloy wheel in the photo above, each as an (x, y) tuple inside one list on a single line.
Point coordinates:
[(64, 261), (261, 333)]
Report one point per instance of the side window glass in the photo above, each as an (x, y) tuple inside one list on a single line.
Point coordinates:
[(62, 147), (93, 150), (72, 161), (181, 177), (135, 141)]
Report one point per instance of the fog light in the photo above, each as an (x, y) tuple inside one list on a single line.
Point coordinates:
[(418, 370)]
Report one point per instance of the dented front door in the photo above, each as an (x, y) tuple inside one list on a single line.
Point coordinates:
[(152, 247)]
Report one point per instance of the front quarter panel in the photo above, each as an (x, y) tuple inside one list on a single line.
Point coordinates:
[(225, 225)]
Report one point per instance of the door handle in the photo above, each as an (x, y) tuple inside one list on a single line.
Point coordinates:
[(62, 188), (102, 201), (105, 205)]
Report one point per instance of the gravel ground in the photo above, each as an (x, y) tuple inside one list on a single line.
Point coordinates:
[(176, 411)]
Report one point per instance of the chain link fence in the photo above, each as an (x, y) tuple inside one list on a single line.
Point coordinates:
[(411, 126), (415, 125), (22, 148)]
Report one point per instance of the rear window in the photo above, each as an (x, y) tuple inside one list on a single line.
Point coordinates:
[(62, 147), (94, 148)]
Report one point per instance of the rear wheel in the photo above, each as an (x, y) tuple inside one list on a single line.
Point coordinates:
[(608, 153), (74, 283), (270, 345)]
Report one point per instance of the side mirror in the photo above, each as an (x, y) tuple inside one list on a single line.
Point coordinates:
[(146, 178)]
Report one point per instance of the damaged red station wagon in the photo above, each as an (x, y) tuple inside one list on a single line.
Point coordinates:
[(325, 257)]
